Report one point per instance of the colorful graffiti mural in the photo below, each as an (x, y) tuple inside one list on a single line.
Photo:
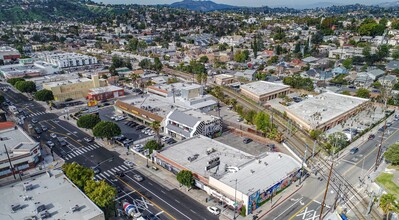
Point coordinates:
[(258, 198)]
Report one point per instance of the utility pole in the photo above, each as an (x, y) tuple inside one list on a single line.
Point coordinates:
[(325, 192), (386, 96), (9, 161)]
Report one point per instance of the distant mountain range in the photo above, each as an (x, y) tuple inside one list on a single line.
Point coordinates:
[(389, 4), (196, 5)]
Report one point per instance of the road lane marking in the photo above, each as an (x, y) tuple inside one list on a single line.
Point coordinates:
[(126, 194), (145, 197), (177, 201), (300, 210), (158, 197), (375, 148), (298, 200)]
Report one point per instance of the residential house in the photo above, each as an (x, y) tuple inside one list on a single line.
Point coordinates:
[(388, 80)]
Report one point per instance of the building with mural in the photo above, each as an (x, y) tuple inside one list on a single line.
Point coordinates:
[(228, 174)]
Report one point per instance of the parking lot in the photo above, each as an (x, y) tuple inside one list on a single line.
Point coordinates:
[(253, 147), (128, 132)]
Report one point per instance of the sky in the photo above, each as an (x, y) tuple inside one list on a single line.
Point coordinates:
[(252, 3)]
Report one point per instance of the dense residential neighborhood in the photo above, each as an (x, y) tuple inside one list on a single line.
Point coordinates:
[(198, 110)]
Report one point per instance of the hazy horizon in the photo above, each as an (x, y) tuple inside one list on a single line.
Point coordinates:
[(253, 3)]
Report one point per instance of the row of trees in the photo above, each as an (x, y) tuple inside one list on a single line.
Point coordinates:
[(101, 193), (29, 87), (101, 129), (147, 64), (298, 82), (194, 67)]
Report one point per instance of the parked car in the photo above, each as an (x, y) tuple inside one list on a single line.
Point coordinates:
[(389, 124), (138, 178), (44, 128), (34, 120), (247, 140), (88, 139), (53, 135), (140, 127), (214, 210), (154, 168), (38, 130), (30, 126), (354, 150)]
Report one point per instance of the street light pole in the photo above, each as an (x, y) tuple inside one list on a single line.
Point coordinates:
[(303, 161), (235, 199)]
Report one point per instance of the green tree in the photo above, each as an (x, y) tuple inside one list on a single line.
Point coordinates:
[(395, 54), (377, 85), (88, 121), (44, 95), (346, 92), (152, 145), (243, 211), (157, 64), (78, 174), (2, 99), (156, 126), (262, 121), (363, 93), (347, 63), (203, 59), (101, 193), (336, 142), (186, 178), (106, 129), (388, 204), (13, 81), (315, 134), (26, 86), (392, 154)]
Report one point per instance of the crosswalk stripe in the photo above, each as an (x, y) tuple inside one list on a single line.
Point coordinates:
[(98, 177), (102, 175), (116, 168), (84, 150), (124, 167), (97, 145), (107, 174), (79, 151), (113, 170), (110, 172), (90, 147)]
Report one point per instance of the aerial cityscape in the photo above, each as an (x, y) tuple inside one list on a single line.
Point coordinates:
[(199, 110)]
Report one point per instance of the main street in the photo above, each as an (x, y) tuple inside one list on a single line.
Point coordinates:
[(149, 197), (306, 203)]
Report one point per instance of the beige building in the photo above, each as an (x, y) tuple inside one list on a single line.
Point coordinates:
[(325, 111), (224, 79), (74, 88), (262, 91)]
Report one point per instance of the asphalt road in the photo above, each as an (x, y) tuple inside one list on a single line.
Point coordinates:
[(149, 197), (306, 203)]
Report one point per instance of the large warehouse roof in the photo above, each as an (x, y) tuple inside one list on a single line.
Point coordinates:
[(262, 87)]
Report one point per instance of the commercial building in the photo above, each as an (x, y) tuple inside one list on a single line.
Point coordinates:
[(47, 196), (224, 79), (74, 88), (24, 152), (8, 55), (106, 92), (228, 174), (325, 111), (186, 124), (36, 69), (64, 60), (262, 91)]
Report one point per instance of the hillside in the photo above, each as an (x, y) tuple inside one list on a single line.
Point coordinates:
[(201, 5), (16, 11)]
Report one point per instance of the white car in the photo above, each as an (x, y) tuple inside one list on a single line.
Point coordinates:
[(129, 163), (214, 210), (53, 135)]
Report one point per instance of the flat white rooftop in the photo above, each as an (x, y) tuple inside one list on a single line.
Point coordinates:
[(104, 89), (262, 87), (262, 173), (66, 82), (228, 155), (327, 105), (56, 193), (15, 139)]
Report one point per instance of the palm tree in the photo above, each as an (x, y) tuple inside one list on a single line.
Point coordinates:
[(156, 126), (387, 204)]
